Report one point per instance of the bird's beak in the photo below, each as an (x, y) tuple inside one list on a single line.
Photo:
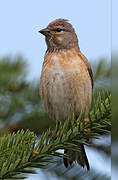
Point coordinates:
[(45, 31)]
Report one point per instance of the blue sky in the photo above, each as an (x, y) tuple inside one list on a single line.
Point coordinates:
[(21, 20), (114, 26)]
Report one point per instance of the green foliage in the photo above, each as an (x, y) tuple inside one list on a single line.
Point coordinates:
[(12, 72), (103, 70), (19, 99), (20, 151), (102, 74), (21, 108)]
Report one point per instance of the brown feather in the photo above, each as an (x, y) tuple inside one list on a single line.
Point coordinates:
[(66, 80), (88, 67), (78, 156)]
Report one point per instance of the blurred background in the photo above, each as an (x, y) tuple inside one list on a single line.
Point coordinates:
[(22, 51)]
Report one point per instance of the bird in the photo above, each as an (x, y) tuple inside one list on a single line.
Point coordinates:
[(66, 82)]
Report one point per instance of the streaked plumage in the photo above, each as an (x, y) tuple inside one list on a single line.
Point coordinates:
[(66, 80), (65, 84)]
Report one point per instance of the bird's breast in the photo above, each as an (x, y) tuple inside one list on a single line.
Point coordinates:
[(65, 59), (65, 85)]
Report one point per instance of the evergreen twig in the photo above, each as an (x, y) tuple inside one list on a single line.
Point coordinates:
[(21, 151)]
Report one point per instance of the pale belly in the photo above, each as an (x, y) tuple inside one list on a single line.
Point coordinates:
[(65, 91)]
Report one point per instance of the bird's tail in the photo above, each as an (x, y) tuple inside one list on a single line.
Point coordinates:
[(79, 156)]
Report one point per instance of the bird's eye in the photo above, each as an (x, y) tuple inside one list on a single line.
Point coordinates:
[(58, 29)]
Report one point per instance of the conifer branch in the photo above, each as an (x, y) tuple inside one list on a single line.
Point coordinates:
[(21, 151)]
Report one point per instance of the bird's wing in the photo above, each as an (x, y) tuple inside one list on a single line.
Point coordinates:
[(88, 67)]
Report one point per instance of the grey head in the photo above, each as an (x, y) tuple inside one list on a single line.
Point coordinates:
[(59, 34)]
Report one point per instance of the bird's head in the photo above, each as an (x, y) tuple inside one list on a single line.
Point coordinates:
[(60, 34)]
